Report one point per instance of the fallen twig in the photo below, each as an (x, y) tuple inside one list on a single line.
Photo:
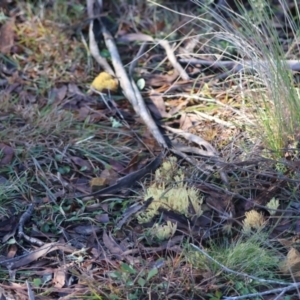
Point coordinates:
[(290, 287), (192, 138), (128, 86), (135, 60), (29, 291), (26, 259), (172, 58), (24, 218), (208, 151), (214, 119), (164, 43), (237, 66), (130, 89), (96, 53), (128, 180)]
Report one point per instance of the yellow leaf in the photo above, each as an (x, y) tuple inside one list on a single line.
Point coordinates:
[(98, 183), (105, 81)]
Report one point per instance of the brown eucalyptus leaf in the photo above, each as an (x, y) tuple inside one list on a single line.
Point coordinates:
[(59, 278), (8, 154), (112, 245), (7, 36), (292, 263)]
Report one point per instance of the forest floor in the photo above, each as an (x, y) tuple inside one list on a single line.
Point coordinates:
[(95, 205)]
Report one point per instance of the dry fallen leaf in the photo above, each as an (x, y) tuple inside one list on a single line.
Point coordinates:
[(110, 175), (107, 177), (7, 154), (82, 163), (292, 263), (24, 260), (58, 94), (59, 278), (7, 36), (104, 81), (12, 251), (156, 80), (98, 183), (102, 218), (109, 242), (157, 106)]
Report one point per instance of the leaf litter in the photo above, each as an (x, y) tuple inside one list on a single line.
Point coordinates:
[(57, 141)]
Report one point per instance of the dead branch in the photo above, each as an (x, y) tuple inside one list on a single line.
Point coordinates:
[(164, 43), (192, 138), (96, 54), (293, 65), (128, 86), (130, 89), (290, 287)]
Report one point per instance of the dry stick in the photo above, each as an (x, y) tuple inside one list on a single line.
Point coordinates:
[(215, 119), (173, 49), (199, 98), (280, 295), (210, 150), (96, 54), (24, 218), (292, 286), (192, 138), (90, 8), (29, 291), (137, 57), (164, 43), (128, 86), (94, 50), (130, 89), (293, 65), (173, 60)]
